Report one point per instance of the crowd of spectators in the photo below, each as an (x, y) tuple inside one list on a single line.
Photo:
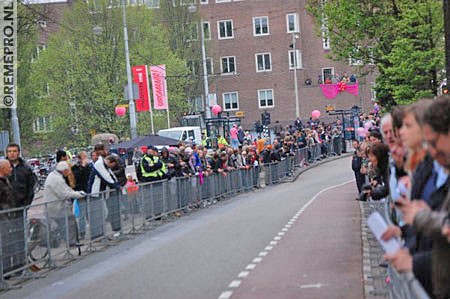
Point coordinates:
[(410, 164)]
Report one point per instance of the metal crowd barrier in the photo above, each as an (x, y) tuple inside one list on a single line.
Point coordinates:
[(401, 285), (48, 234)]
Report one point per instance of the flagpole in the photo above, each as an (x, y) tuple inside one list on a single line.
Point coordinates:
[(168, 118), (149, 100)]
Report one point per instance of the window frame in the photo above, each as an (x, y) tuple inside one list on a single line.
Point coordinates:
[(254, 26), (296, 23), (259, 98), (298, 57), (323, 74), (234, 63), (218, 29), (211, 63), (231, 106), (264, 62), (206, 36)]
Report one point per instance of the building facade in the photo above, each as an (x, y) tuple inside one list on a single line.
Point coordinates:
[(258, 47)]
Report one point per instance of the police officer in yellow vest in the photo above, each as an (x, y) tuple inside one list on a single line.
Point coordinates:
[(152, 168)]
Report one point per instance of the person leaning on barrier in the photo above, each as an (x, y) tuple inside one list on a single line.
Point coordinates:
[(58, 195), (7, 201), (425, 219), (152, 168)]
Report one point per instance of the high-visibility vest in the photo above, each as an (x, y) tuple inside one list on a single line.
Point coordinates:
[(156, 173), (222, 142)]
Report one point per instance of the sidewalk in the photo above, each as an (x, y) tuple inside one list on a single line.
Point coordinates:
[(318, 256)]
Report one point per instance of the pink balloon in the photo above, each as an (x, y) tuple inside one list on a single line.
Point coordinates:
[(120, 111), (361, 132), (216, 109), (315, 114)]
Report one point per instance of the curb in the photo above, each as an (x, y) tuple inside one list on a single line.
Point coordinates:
[(374, 276), (302, 170)]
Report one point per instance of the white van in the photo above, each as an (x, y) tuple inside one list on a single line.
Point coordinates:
[(186, 134)]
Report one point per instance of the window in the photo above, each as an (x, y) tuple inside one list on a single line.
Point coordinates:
[(209, 66), (373, 92), (325, 39), (327, 75), (371, 54), (355, 57), (193, 66), (187, 2), (295, 61), (230, 100), (263, 62), (292, 23), (265, 98), (206, 30), (260, 26), (228, 64), (191, 30), (196, 104), (221, 1), (42, 23), (42, 124), (225, 29), (203, 1), (152, 3)]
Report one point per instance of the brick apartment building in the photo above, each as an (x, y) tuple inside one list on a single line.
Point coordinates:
[(250, 45), (251, 57)]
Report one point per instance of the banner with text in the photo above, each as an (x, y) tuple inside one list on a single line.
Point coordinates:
[(140, 77), (159, 85)]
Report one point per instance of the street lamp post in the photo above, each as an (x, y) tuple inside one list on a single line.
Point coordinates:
[(129, 83), (294, 58), (192, 8)]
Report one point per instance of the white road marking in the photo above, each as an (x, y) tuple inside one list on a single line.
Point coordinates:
[(257, 260), (311, 286), (226, 295), (243, 274), (250, 267)]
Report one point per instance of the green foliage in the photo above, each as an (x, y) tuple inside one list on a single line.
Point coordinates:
[(403, 39), (86, 73)]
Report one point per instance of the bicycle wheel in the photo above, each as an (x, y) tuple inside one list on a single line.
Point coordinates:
[(36, 252), (37, 249)]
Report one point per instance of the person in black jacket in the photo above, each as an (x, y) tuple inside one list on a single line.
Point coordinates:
[(82, 171), (22, 183), (356, 166), (21, 177)]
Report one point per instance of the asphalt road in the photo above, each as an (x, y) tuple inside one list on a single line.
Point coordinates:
[(200, 255)]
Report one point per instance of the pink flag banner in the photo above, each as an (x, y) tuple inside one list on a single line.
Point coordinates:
[(159, 86), (331, 91)]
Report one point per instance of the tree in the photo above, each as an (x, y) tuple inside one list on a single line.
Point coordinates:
[(86, 73), (403, 39)]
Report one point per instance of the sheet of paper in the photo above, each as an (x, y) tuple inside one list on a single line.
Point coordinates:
[(378, 226)]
